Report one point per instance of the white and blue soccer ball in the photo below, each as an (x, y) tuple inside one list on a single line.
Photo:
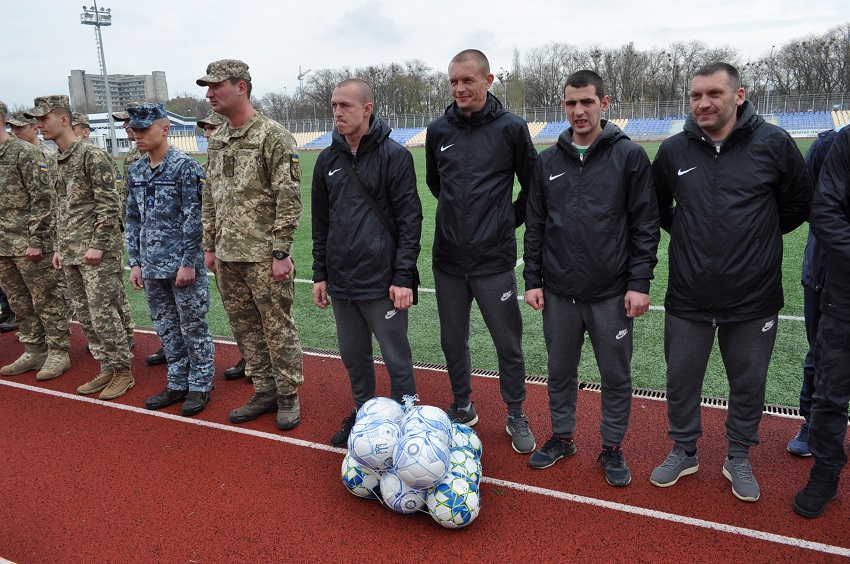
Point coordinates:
[(361, 481), (399, 496), (430, 419), (420, 460), (463, 462), (381, 408), (372, 443), (454, 502), (464, 436)]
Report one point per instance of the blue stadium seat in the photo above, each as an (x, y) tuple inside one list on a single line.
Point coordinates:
[(321, 141)]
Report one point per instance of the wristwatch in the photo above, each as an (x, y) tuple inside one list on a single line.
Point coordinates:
[(279, 255)]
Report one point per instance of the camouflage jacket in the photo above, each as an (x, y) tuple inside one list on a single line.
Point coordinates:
[(133, 155), (88, 203), (164, 228), (26, 198), (253, 201)]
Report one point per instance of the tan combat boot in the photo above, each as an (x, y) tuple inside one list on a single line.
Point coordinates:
[(26, 362), (97, 383), (56, 364), (118, 386)]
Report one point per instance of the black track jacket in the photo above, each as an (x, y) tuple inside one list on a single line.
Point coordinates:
[(732, 207), (470, 165), (591, 230), (831, 225), (352, 249)]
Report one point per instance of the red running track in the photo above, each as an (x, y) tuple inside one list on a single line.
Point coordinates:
[(91, 481)]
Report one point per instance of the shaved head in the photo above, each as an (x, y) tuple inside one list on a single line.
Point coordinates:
[(364, 91), (480, 59)]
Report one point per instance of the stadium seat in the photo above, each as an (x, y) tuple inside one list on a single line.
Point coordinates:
[(535, 127), (417, 140), (304, 137), (552, 130), (320, 142)]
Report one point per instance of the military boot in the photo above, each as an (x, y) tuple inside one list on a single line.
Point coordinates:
[(121, 381), (97, 383), (260, 402), (30, 360), (56, 364), (288, 412)]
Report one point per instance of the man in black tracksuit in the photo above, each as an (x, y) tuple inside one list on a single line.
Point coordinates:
[(738, 184), (472, 154), (366, 269), (591, 236), (830, 224)]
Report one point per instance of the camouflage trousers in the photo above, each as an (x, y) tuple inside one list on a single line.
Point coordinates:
[(179, 314), (97, 293), (33, 291), (124, 310), (828, 424), (260, 312)]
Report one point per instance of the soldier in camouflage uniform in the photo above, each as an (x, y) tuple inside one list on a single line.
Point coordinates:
[(209, 124), (24, 128), (830, 224), (82, 129), (80, 125), (26, 245), (251, 210), (164, 234), (90, 245)]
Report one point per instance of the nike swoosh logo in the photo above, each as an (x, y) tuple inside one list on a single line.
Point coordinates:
[(681, 172), (390, 314), (556, 176), (331, 173), (442, 148)]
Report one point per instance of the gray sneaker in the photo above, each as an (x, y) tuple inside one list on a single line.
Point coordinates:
[(676, 465), (740, 473), (521, 438)]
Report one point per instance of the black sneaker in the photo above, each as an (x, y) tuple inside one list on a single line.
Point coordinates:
[(821, 489), (10, 324), (616, 470), (554, 450), (468, 417), (340, 438)]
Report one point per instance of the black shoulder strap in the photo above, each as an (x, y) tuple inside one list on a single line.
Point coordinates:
[(373, 205)]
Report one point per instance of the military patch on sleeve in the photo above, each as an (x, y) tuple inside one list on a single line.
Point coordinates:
[(108, 177), (295, 168), (43, 174), (202, 182)]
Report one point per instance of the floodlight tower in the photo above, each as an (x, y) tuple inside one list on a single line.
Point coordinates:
[(102, 17)]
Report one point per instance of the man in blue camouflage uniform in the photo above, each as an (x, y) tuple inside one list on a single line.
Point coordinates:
[(164, 234)]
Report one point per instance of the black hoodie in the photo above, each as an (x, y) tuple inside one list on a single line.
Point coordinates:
[(732, 206), (352, 249), (470, 165), (592, 229)]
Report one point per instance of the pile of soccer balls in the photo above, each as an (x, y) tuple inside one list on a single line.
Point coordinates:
[(410, 457)]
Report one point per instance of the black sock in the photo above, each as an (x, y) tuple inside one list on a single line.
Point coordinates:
[(691, 452)]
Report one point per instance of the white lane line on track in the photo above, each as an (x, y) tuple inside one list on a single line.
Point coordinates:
[(623, 508), (673, 518)]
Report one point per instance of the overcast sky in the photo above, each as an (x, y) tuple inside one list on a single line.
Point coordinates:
[(42, 42)]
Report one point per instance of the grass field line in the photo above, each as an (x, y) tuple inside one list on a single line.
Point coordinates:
[(584, 500)]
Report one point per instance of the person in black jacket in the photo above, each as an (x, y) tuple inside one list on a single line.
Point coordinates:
[(738, 184), (591, 236), (367, 270), (472, 153), (830, 224), (815, 265)]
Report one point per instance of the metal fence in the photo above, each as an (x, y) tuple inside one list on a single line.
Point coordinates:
[(766, 103)]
